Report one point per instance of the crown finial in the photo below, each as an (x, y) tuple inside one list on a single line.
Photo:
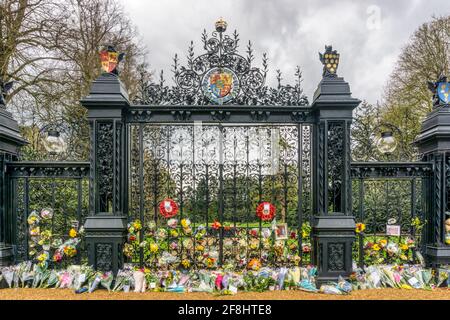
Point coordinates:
[(330, 61), (221, 25)]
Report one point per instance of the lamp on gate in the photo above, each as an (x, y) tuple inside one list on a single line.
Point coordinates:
[(54, 144), (386, 144)]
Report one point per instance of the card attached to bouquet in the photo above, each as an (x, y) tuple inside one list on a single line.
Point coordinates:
[(393, 230), (233, 289)]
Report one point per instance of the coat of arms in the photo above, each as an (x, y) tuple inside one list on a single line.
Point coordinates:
[(110, 59), (443, 90), (220, 85), (440, 90)]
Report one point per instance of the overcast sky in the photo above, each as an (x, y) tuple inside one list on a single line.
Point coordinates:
[(368, 34)]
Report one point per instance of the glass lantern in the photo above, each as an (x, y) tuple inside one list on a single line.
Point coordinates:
[(386, 143), (54, 143)]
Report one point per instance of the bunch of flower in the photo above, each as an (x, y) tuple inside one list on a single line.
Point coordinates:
[(177, 243), (45, 246), (391, 249)]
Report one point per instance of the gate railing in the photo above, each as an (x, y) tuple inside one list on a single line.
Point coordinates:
[(60, 186), (395, 194)]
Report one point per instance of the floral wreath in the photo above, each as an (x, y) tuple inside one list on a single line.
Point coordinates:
[(168, 208), (265, 211)]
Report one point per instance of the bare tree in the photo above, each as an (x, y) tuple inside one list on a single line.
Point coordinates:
[(50, 48)]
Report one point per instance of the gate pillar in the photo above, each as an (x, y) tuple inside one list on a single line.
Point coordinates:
[(106, 224), (433, 144), (10, 142), (333, 229)]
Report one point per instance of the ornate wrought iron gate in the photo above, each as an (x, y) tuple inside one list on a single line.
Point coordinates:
[(221, 172)]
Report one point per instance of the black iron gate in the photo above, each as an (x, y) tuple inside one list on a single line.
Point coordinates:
[(218, 174)]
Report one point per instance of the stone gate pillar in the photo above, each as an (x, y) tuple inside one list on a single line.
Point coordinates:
[(334, 225), (106, 224), (10, 142), (433, 144)]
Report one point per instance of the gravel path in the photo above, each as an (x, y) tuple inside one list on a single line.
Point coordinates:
[(374, 294)]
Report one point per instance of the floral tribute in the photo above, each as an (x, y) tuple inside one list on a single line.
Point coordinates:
[(45, 247), (265, 211), (384, 249), (181, 244), (168, 208)]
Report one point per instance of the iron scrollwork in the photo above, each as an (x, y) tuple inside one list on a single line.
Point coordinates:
[(220, 76), (336, 256), (105, 154)]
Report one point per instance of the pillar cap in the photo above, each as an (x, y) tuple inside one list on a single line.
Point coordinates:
[(107, 91), (10, 138), (333, 98), (434, 135)]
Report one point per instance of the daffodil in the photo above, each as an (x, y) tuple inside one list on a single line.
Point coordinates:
[(404, 247), (154, 248), (186, 263), (383, 242), (42, 257), (376, 247), (73, 233)]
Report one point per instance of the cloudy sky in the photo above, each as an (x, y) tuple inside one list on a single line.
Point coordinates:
[(368, 34)]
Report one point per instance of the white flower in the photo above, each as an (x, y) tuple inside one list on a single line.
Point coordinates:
[(392, 248)]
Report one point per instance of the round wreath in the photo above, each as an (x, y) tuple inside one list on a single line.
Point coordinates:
[(168, 208), (265, 211)]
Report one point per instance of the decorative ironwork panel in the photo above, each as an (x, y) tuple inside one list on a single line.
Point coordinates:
[(220, 76), (335, 163), (336, 256), (389, 194), (104, 256), (60, 186), (105, 165)]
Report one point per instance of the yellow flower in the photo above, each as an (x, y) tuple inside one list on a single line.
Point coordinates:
[(154, 248), (137, 225), (210, 262), (383, 242), (70, 251), (376, 247), (305, 234), (35, 231), (254, 264), (42, 257), (174, 233), (403, 257), (186, 264), (405, 286), (185, 223), (360, 227), (73, 233), (199, 247), (404, 247)]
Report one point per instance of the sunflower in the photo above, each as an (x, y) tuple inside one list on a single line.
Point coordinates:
[(360, 227)]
